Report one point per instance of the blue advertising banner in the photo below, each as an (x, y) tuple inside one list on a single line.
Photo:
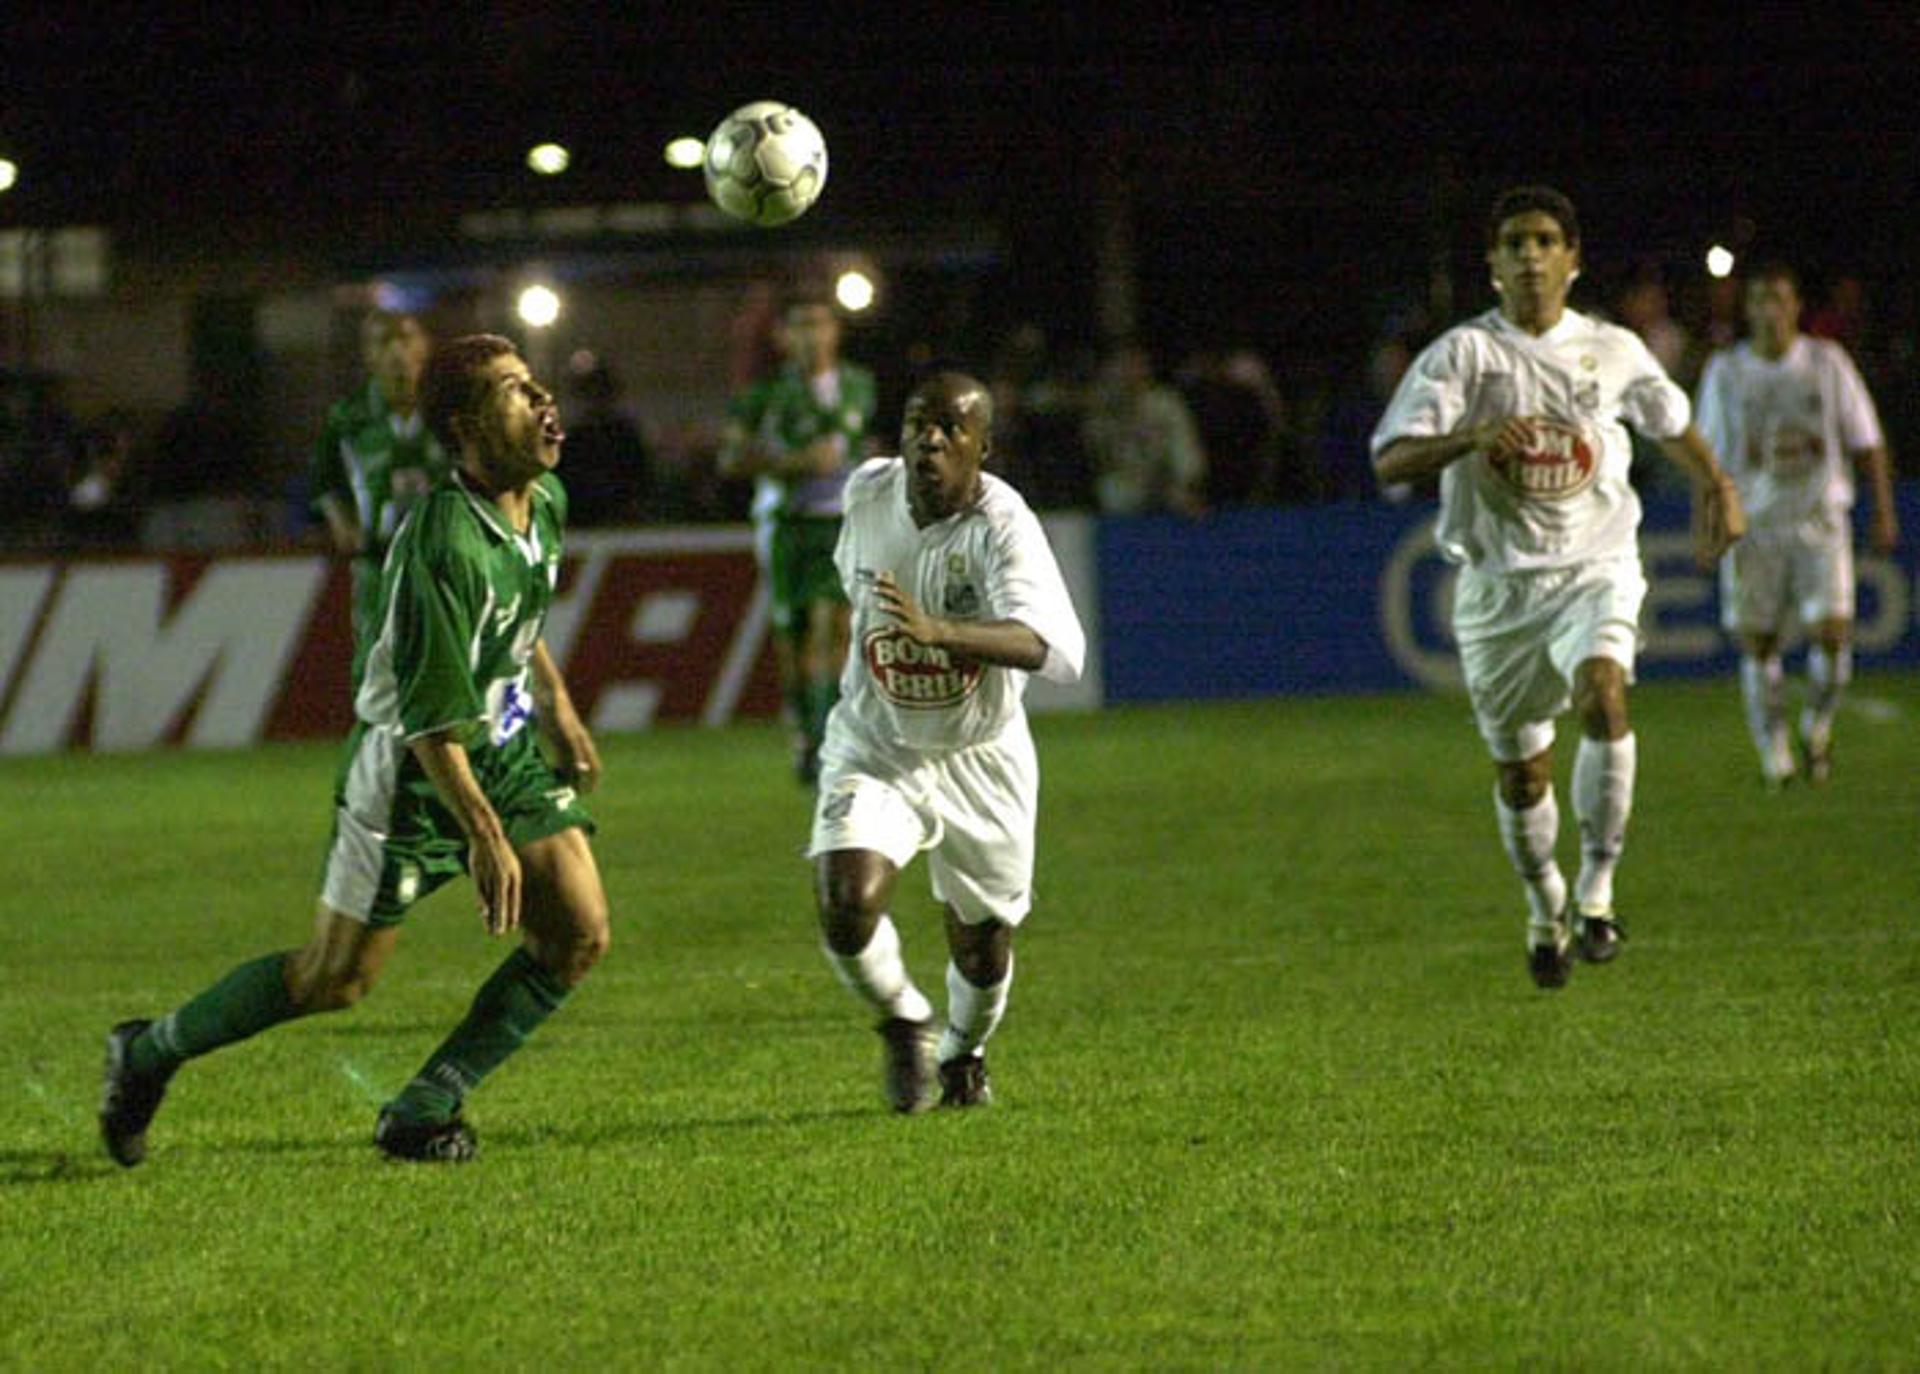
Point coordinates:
[(1355, 597)]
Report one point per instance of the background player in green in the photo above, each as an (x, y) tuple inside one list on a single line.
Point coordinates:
[(798, 433), (377, 458), (440, 776)]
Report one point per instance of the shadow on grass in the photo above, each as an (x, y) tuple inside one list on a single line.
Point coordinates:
[(31, 1168), (638, 1132)]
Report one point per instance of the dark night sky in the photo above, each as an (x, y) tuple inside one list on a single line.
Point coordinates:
[(1258, 146)]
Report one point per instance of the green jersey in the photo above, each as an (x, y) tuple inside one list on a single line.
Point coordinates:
[(788, 411), (462, 600), (376, 464)]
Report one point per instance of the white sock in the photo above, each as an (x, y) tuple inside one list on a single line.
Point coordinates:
[(1827, 678), (878, 976), (972, 1012), (1760, 690), (1529, 837), (1602, 801)]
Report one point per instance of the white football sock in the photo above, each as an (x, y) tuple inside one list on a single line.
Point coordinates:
[(878, 975), (1760, 690), (1827, 679), (972, 1012), (1529, 837), (1602, 801)]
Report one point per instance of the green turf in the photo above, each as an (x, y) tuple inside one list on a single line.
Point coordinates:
[(1274, 1090)]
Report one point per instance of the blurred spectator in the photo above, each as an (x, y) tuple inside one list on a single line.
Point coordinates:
[(1723, 315), (37, 444), (1844, 317), (1141, 438), (1346, 459), (1037, 421), (205, 459), (606, 464), (100, 511), (1253, 455), (1645, 309), (753, 337)]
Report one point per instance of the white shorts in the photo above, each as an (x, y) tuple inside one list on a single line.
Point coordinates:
[(1806, 569), (1522, 636), (972, 810)]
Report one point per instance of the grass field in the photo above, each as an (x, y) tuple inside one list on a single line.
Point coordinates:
[(1275, 1089)]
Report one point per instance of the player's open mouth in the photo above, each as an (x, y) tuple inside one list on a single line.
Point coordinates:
[(550, 429)]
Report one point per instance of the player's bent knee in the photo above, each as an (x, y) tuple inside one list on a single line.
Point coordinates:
[(1600, 699), (1524, 784), (851, 890)]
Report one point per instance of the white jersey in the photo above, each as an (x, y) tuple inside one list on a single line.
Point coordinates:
[(1784, 427), (989, 562), (1569, 501)]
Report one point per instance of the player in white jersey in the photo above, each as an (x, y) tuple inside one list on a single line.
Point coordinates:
[(956, 599), (1520, 412), (1787, 412)]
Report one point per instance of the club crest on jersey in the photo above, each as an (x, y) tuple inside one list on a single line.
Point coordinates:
[(1586, 397), (1562, 463), (917, 676), (961, 598)]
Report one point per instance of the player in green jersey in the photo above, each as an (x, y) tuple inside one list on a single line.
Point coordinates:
[(798, 434), (440, 775), (376, 458)]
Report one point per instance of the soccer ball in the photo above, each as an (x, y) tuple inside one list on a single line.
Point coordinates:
[(766, 163)]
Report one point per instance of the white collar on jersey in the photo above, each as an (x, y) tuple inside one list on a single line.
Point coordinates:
[(1570, 321), (528, 543)]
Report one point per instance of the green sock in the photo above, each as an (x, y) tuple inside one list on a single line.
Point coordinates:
[(820, 699), (508, 1008), (245, 1002)]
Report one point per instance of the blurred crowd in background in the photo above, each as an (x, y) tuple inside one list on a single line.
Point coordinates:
[(1120, 430)]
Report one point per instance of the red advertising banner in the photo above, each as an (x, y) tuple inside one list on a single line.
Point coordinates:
[(132, 653)]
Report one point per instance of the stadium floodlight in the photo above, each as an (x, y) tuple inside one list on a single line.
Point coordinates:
[(686, 153), (854, 290), (1719, 261), (538, 306), (548, 159), (9, 174)]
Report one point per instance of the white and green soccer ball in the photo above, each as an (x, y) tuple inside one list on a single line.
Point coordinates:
[(766, 163)]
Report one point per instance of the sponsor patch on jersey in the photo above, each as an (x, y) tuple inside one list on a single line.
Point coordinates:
[(509, 708), (915, 675), (1562, 463)]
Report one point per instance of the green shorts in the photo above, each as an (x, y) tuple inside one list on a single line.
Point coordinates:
[(800, 569), (394, 841)]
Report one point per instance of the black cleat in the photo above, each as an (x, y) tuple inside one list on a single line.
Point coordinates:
[(1599, 938), (128, 1100), (425, 1142), (1551, 964), (909, 1070), (964, 1082)]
